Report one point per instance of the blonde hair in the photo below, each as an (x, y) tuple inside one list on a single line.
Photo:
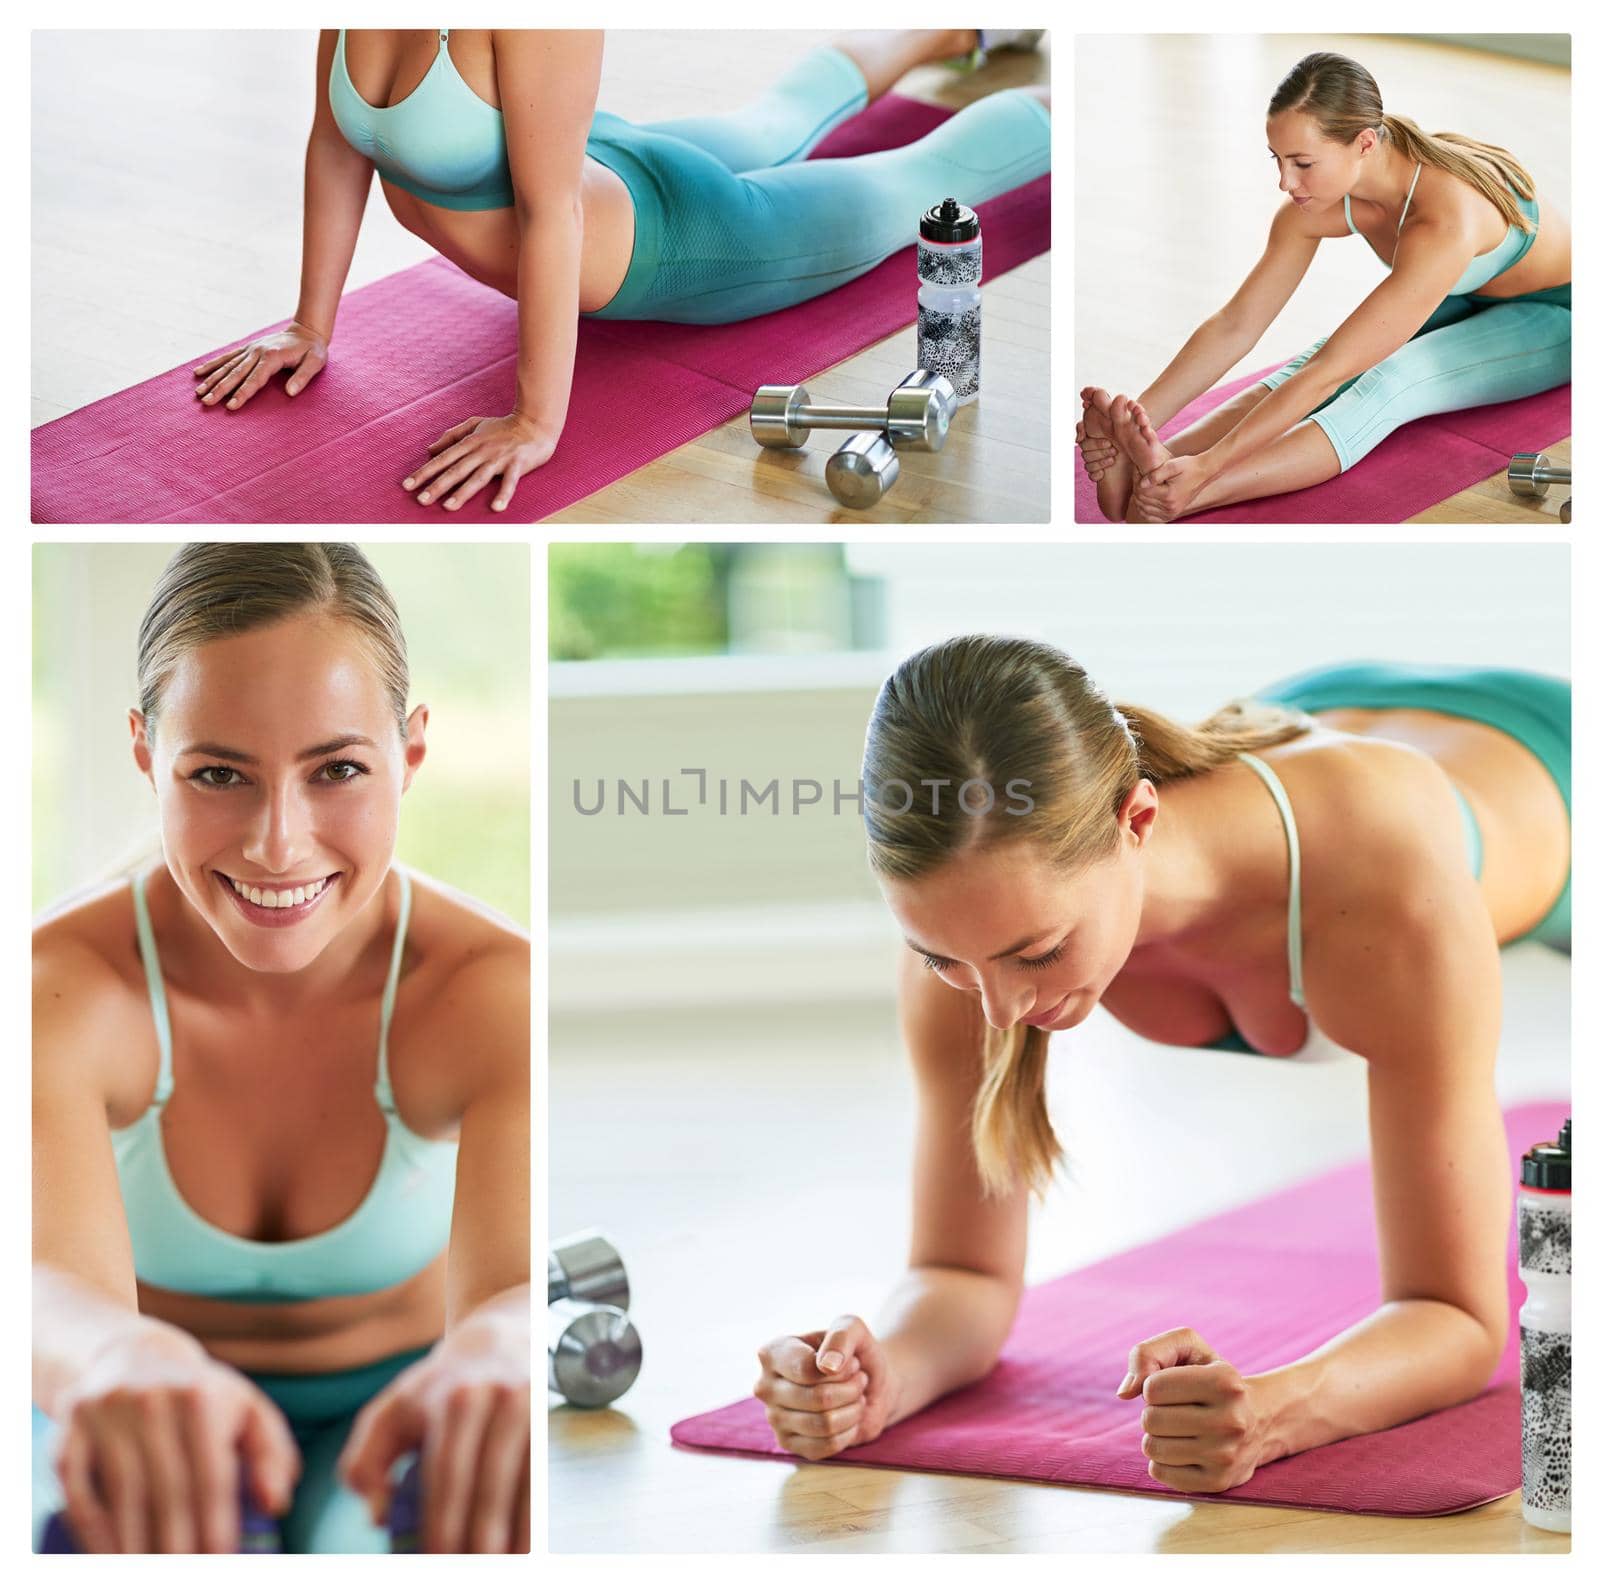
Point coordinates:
[(1005, 714), (217, 590), (1340, 95)]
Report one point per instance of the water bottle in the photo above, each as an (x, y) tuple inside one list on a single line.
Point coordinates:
[(949, 304), (1544, 1262)]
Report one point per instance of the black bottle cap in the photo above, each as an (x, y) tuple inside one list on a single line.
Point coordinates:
[(949, 222), (1549, 1166)]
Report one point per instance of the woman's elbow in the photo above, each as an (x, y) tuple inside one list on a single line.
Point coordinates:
[(546, 212)]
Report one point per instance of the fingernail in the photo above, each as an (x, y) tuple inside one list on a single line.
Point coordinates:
[(450, 506), (1127, 1382), (831, 1360), (406, 484), (424, 496), (234, 402)]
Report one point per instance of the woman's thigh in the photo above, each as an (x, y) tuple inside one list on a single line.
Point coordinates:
[(712, 247), (1512, 350)]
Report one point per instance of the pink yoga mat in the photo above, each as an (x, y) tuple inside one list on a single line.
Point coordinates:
[(425, 348), (1263, 1285), (1418, 466)]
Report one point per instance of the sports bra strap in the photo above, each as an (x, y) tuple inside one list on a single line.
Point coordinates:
[(382, 1089), (1414, 175), (444, 36), (158, 992), (1347, 220), (1297, 993)]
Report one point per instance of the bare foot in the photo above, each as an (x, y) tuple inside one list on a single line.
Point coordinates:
[(1136, 436), (1113, 488)]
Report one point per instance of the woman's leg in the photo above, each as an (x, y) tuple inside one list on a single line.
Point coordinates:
[(715, 247), (1495, 354), (823, 88)]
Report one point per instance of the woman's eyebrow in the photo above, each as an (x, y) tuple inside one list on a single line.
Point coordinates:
[(1009, 951), (239, 757), (1274, 153)]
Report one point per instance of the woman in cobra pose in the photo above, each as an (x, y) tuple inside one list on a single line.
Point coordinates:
[(280, 1110), (1476, 308), (490, 149), (1346, 851)]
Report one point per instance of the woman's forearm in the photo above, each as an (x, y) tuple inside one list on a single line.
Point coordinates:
[(942, 1328), (74, 1323), (1202, 360), (337, 182), (1274, 415), (550, 249), (1406, 1359)]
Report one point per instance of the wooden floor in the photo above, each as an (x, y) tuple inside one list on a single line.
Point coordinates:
[(748, 1202), (152, 244), (1173, 194)]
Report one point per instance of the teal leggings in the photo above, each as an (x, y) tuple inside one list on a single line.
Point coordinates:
[(731, 220), (1473, 350), (1534, 709), (325, 1516)]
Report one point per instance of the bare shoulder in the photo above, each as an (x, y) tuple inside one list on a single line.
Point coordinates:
[(476, 985), (941, 1027), (1291, 220), (90, 1006), (1373, 815)]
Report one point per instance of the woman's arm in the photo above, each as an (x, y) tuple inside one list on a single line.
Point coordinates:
[(946, 1320), (549, 82), (337, 182), (1434, 253), (1415, 988), (1240, 323)]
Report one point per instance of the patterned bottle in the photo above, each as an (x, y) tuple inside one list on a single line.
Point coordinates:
[(949, 304), (1544, 1261)]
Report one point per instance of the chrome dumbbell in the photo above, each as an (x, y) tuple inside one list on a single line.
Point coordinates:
[(862, 471), (594, 1352), (587, 1266), (916, 416), (1532, 473)]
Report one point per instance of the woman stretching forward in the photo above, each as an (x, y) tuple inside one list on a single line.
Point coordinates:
[(1477, 308)]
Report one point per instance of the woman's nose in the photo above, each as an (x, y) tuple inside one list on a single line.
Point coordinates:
[(1003, 1004), (277, 837)]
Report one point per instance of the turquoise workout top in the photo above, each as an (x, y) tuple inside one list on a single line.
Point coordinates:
[(1483, 269), (1297, 991), (398, 1228), (441, 143)]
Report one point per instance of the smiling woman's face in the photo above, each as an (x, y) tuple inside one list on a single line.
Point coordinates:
[(278, 767), (1038, 946)]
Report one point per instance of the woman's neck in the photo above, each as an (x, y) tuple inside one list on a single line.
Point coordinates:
[(1215, 852), (192, 953), (1387, 180)]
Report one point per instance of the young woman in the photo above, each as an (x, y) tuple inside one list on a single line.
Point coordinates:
[(1346, 851), (280, 1109), (1476, 308), (491, 150)]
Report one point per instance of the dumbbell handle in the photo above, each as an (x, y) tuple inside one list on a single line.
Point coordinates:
[(815, 416)]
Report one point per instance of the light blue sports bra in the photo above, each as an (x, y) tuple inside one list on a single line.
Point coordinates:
[(1297, 989), (398, 1228), (441, 143), (1483, 269)]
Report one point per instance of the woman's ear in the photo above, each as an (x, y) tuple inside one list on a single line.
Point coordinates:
[(416, 742), (1138, 812), (142, 756)]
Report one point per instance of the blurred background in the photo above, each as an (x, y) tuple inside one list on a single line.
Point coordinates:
[(728, 1094), (465, 611)]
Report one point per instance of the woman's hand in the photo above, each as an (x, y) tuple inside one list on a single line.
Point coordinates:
[(246, 370), (154, 1433), (466, 1403), (467, 456), (826, 1391), (1099, 455), (1165, 492), (1203, 1426)]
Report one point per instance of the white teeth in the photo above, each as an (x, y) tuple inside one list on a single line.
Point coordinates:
[(289, 897)]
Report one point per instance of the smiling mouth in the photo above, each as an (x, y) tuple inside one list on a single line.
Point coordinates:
[(1050, 1014), (277, 906)]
